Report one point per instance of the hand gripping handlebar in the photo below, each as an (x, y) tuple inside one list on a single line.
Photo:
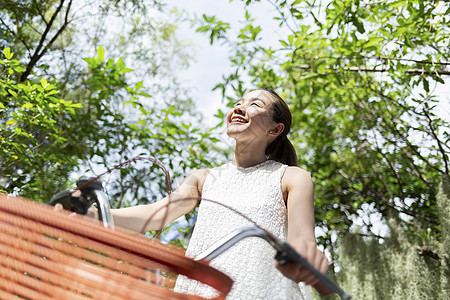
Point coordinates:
[(285, 254), (91, 192)]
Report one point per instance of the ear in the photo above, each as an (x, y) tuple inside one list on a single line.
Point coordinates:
[(277, 130)]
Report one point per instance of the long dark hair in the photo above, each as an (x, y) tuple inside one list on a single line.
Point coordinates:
[(281, 149)]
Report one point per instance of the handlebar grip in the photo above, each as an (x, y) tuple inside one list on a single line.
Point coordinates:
[(79, 205), (322, 289), (287, 254)]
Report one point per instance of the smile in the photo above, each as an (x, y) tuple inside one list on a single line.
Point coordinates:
[(238, 120)]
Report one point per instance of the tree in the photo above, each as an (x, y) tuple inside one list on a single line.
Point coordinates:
[(120, 113), (44, 32), (360, 78), (35, 139)]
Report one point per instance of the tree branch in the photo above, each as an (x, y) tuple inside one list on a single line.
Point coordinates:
[(40, 12), (441, 149), (393, 128), (283, 18), (16, 35), (390, 58), (386, 186), (381, 70), (38, 53), (411, 60), (426, 251)]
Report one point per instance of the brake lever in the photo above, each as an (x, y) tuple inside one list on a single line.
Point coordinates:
[(91, 192), (285, 254)]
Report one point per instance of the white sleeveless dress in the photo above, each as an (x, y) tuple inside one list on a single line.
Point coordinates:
[(256, 193)]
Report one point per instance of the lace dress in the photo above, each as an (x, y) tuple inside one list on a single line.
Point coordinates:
[(256, 193)]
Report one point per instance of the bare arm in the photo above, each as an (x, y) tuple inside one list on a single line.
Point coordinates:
[(299, 191), (300, 204), (161, 213)]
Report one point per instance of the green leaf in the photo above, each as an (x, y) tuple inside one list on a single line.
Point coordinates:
[(426, 85), (91, 61), (19, 69), (101, 54), (27, 105), (44, 82), (145, 94), (139, 85), (125, 70), (283, 43), (373, 41), (109, 63), (12, 92), (291, 39), (120, 64), (143, 110), (7, 53), (76, 105), (358, 24), (203, 28)]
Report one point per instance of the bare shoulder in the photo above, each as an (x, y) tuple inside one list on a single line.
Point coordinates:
[(295, 177), (201, 174), (197, 178), (295, 174)]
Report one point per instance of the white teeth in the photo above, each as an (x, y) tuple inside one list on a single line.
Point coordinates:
[(237, 119)]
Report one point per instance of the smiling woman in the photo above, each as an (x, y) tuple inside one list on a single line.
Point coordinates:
[(263, 183), (267, 110)]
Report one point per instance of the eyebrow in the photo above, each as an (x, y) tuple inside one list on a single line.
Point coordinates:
[(256, 98), (253, 99)]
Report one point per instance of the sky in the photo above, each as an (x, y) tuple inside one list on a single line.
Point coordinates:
[(211, 62)]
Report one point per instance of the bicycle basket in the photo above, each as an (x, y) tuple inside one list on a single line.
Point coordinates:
[(47, 254)]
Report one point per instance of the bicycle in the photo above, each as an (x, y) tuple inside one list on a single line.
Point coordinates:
[(92, 192)]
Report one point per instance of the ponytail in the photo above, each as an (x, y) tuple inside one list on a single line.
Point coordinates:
[(281, 149)]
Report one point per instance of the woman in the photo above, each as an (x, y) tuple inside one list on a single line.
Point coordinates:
[(262, 182)]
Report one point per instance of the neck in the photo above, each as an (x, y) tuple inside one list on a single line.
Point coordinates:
[(248, 155)]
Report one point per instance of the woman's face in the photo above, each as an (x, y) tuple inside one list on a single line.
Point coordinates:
[(251, 118)]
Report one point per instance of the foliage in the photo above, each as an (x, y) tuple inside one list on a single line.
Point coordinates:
[(134, 127), (113, 109), (51, 32), (360, 78), (35, 133), (100, 123), (367, 263)]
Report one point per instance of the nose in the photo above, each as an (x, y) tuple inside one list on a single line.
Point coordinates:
[(239, 109)]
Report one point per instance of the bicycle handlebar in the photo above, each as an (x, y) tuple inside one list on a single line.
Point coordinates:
[(285, 254), (91, 192)]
